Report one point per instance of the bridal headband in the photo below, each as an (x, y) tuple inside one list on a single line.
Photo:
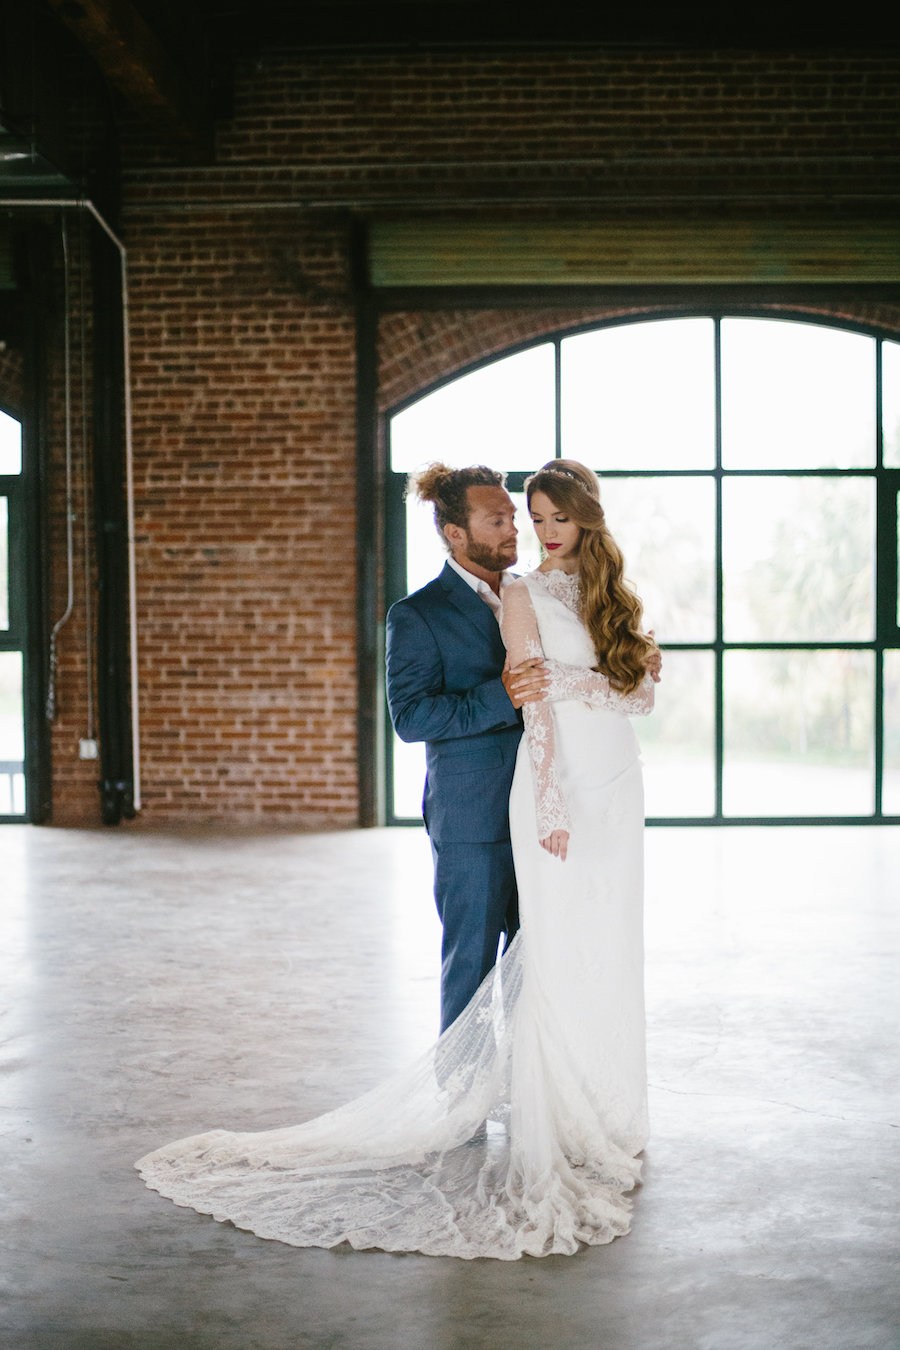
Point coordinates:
[(567, 473)]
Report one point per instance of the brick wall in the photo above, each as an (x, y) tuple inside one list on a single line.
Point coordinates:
[(617, 131), (11, 378), (242, 329), (244, 437)]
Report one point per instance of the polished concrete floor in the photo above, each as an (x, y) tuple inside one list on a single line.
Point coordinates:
[(159, 983)]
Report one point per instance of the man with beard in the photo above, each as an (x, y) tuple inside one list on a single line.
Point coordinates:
[(448, 685)]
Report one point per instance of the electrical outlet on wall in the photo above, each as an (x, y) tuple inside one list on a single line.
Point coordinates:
[(87, 749)]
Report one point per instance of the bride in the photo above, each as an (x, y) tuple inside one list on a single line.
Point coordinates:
[(518, 1132)]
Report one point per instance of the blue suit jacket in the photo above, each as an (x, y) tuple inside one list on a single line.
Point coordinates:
[(444, 659)]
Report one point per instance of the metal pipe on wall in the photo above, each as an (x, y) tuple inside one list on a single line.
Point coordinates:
[(70, 545), (84, 204)]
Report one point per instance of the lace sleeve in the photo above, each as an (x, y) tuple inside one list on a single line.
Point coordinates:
[(589, 686), (522, 639)]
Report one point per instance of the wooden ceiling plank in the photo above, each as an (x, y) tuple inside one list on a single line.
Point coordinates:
[(426, 253), (139, 67)]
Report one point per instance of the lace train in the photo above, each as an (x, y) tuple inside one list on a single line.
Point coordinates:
[(449, 1157)]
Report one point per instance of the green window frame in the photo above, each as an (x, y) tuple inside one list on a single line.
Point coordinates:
[(877, 653)]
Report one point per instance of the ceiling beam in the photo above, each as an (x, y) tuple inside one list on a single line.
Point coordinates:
[(137, 64), (463, 24)]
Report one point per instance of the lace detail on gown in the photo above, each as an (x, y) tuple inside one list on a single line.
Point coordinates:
[(425, 1162), (589, 686), (582, 682), (522, 638), (521, 634), (563, 586), (518, 1132)]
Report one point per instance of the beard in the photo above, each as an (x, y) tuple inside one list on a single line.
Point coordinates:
[(491, 559)]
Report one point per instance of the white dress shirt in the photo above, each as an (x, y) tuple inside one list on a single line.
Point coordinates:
[(481, 587)]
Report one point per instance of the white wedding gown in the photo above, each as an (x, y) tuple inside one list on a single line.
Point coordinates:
[(518, 1131)]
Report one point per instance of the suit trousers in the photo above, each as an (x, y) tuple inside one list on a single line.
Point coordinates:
[(476, 898)]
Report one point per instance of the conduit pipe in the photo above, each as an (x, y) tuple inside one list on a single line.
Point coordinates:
[(84, 204), (70, 545)]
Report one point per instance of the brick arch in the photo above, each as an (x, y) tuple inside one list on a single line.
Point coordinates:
[(417, 350), (12, 374)]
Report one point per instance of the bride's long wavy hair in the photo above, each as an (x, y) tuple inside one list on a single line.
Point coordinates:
[(610, 609)]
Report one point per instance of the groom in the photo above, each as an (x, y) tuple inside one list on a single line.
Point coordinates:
[(447, 685)]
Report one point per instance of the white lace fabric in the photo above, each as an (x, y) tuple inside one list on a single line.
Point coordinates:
[(568, 681), (425, 1162), (518, 1132)]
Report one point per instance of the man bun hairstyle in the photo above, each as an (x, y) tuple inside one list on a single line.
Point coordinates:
[(447, 490)]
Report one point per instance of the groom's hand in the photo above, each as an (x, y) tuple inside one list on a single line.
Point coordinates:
[(527, 682), (653, 663)]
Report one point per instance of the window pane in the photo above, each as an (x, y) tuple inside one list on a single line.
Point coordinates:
[(798, 733), (502, 415), (10, 444), (796, 396), (798, 558), (890, 783), (529, 548), (666, 529), (641, 396), (4, 563), (678, 738), (425, 554), (409, 778), (12, 736), (890, 403)]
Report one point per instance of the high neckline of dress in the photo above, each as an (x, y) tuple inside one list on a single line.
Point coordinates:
[(563, 586), (558, 580)]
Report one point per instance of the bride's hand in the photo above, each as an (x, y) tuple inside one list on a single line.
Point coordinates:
[(557, 843)]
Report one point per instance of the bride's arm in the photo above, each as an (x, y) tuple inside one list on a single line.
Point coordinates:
[(589, 686), (522, 638)]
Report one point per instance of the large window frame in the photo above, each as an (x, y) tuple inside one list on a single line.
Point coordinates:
[(15, 638), (887, 487)]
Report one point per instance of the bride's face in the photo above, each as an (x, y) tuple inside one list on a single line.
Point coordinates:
[(557, 534)]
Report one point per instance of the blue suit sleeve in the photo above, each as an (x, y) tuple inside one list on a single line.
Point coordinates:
[(420, 709)]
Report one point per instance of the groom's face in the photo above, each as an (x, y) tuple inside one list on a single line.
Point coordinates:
[(490, 535)]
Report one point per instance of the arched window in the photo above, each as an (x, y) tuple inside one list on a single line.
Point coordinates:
[(750, 471)]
